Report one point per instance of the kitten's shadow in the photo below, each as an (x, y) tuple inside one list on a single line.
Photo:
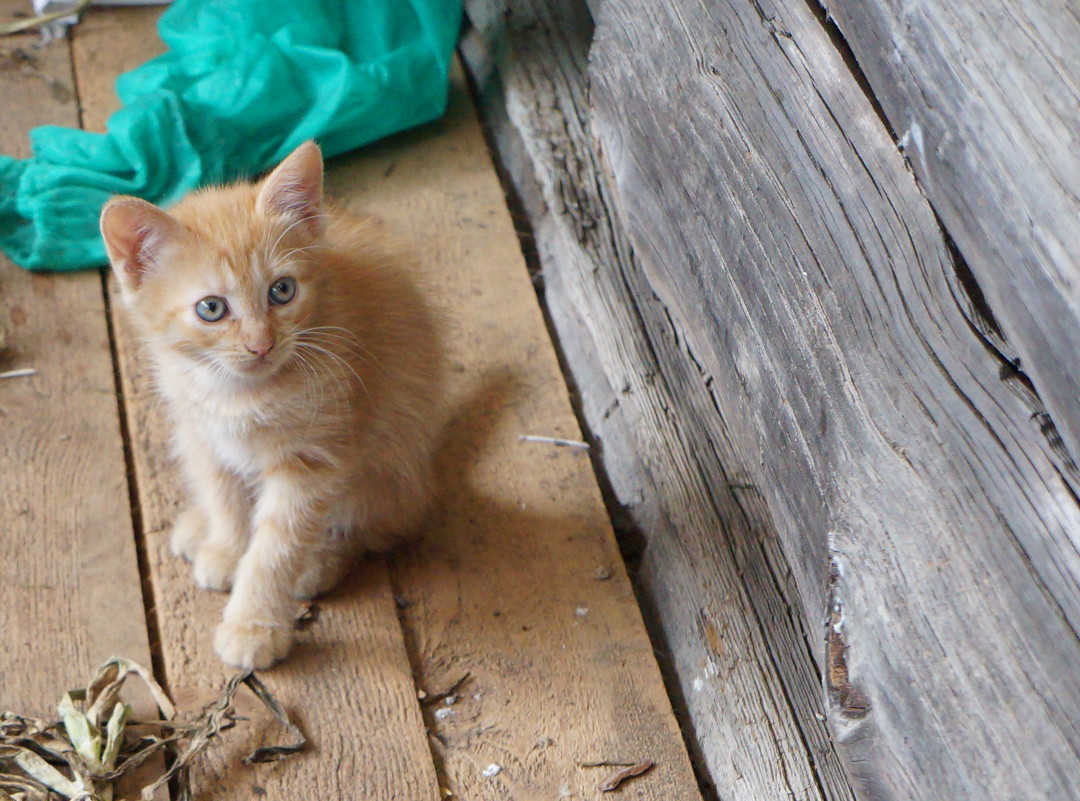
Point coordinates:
[(501, 547), (504, 513)]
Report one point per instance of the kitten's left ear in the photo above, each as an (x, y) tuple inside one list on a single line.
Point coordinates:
[(135, 234), (294, 188)]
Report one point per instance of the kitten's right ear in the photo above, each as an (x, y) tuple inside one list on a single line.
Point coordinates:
[(295, 188), (134, 232)]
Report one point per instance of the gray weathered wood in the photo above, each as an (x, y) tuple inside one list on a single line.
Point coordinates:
[(713, 570), (771, 304), (985, 97), (922, 510)]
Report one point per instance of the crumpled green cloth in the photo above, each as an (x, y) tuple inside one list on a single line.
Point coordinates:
[(243, 83)]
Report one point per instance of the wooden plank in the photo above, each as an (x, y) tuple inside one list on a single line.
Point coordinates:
[(503, 588), (802, 272), (723, 602), (985, 99), (68, 564), (349, 680)]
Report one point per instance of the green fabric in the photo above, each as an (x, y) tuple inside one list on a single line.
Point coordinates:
[(243, 83)]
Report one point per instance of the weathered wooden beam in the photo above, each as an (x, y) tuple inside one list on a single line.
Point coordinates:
[(922, 510), (985, 98), (770, 304), (713, 571)]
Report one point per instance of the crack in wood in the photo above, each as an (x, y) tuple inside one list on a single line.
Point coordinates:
[(849, 699)]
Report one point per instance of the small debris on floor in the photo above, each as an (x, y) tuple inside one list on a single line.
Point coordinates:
[(443, 712), (602, 573), (49, 21), (308, 616), (581, 611), (428, 700), (613, 781), (492, 770), (22, 373), (560, 441)]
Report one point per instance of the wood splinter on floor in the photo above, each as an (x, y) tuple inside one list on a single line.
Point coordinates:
[(560, 441), (616, 779), (20, 373)]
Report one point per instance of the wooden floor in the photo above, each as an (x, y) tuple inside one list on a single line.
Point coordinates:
[(504, 587)]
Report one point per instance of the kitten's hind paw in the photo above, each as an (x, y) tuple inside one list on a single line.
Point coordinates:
[(251, 646), (188, 533), (215, 566)]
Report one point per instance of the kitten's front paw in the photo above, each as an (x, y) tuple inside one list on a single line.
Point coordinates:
[(251, 646), (215, 566), (188, 533)]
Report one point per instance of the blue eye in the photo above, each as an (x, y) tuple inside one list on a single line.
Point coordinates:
[(283, 290), (211, 309)]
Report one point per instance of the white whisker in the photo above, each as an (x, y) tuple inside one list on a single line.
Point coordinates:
[(336, 359)]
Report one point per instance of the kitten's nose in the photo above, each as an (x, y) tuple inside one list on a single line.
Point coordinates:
[(260, 347)]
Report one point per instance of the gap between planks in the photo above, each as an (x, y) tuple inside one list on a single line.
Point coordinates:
[(153, 630)]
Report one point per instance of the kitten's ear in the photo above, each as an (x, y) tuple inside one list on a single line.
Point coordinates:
[(294, 189), (134, 232)]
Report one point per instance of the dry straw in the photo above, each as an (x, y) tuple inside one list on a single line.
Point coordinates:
[(95, 743)]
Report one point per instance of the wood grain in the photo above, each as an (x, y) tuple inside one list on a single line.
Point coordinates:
[(68, 563), (985, 98), (713, 571), (349, 681), (928, 528)]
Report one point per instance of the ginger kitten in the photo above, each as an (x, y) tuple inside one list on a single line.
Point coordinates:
[(300, 366)]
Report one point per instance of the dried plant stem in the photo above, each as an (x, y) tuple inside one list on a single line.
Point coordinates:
[(21, 25)]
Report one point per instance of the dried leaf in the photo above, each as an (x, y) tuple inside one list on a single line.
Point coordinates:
[(114, 735), (613, 781), (41, 771), (83, 735)]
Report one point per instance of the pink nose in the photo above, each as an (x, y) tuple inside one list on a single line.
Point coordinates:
[(260, 348)]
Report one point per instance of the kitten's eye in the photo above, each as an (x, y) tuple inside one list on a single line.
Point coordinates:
[(211, 309), (283, 290)]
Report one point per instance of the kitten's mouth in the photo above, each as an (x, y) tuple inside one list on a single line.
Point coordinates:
[(257, 366)]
